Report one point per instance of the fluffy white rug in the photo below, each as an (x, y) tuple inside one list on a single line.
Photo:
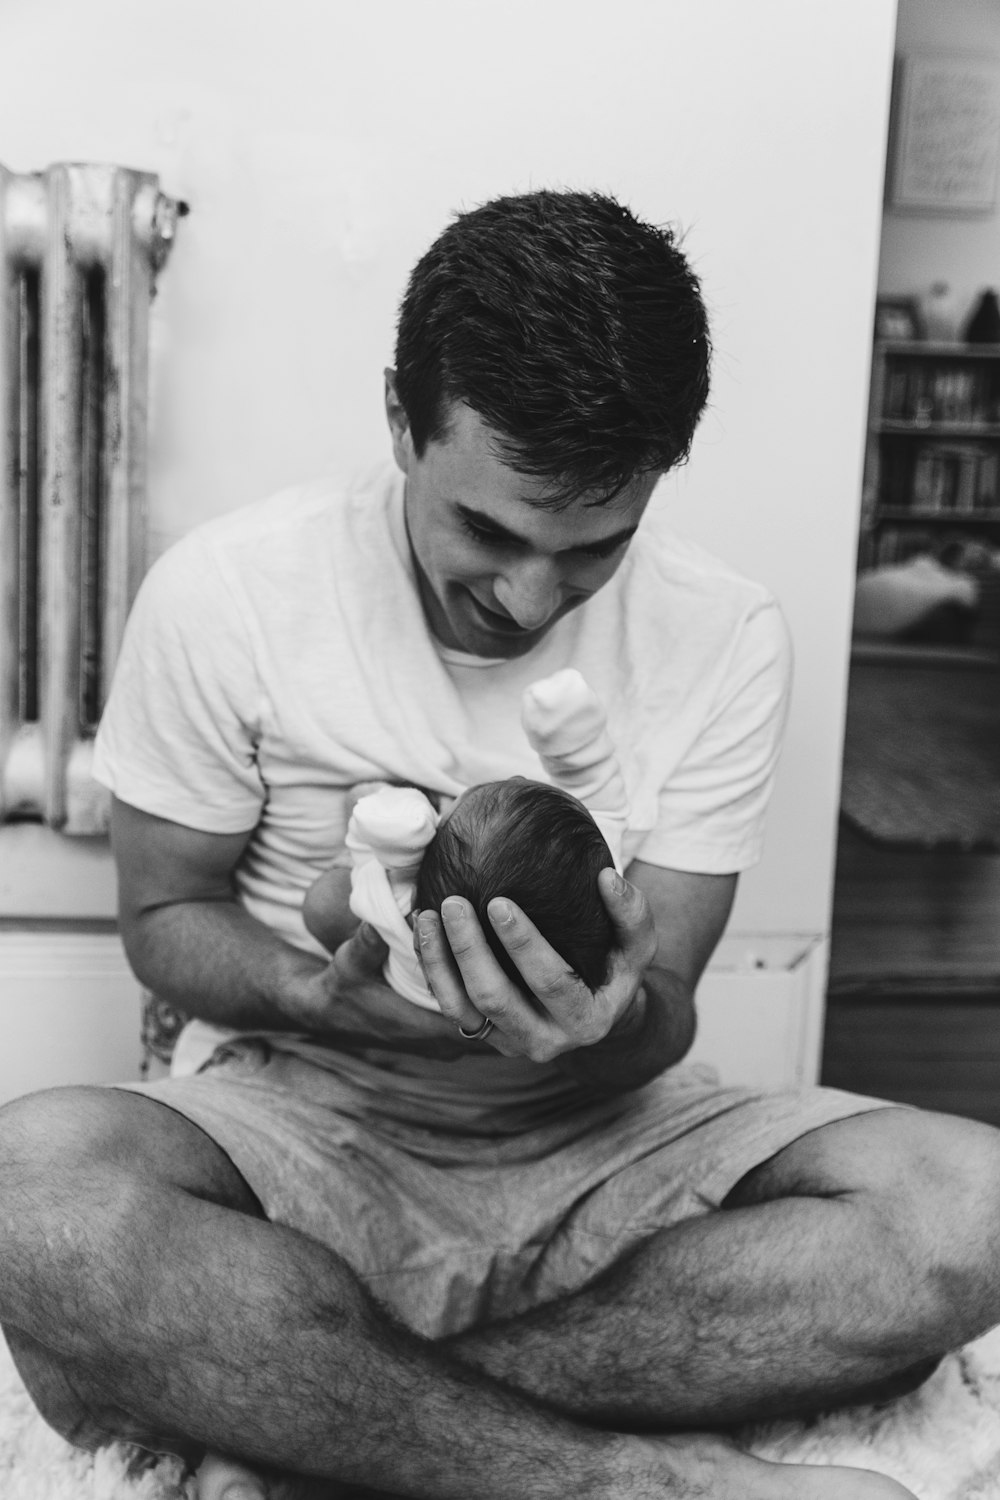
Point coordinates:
[(942, 1441)]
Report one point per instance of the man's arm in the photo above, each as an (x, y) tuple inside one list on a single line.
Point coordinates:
[(657, 1027), (638, 1023), (190, 940)]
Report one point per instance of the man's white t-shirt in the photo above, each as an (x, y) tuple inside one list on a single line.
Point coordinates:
[(279, 655)]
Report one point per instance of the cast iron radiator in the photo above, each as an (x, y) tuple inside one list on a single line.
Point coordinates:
[(80, 247)]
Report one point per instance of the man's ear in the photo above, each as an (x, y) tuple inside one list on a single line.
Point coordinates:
[(399, 426)]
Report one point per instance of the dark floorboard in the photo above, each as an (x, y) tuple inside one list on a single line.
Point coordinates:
[(913, 1009), (936, 1051)]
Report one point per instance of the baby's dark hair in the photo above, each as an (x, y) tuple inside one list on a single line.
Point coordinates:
[(538, 846), (576, 331)]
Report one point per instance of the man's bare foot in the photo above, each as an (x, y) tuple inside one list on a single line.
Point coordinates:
[(815, 1482), (704, 1467), (676, 1468), (221, 1478)]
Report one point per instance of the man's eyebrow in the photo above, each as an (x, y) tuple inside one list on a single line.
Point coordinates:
[(487, 523)]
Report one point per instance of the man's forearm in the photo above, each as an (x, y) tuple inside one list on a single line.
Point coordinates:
[(213, 960), (654, 1033)]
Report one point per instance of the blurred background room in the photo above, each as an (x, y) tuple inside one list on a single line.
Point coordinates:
[(913, 1007)]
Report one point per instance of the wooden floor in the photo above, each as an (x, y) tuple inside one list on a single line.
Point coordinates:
[(913, 1009), (901, 914)]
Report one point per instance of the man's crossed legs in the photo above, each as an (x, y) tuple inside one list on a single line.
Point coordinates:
[(145, 1297)]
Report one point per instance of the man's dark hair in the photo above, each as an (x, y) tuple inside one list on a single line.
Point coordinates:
[(539, 847), (575, 331)]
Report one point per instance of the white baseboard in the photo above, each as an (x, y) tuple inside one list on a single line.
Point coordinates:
[(69, 1011)]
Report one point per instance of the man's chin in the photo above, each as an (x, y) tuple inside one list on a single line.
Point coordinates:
[(508, 649)]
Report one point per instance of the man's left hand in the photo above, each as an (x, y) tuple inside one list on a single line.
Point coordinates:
[(564, 1014)]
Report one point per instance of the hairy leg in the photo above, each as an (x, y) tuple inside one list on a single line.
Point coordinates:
[(144, 1296), (840, 1270)]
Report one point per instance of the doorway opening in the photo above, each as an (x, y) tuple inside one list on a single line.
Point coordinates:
[(913, 1005)]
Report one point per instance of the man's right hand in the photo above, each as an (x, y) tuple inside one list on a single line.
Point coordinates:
[(350, 1002)]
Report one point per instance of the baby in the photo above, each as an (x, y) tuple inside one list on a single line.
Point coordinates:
[(542, 845)]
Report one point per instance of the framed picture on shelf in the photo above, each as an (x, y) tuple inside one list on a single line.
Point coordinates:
[(898, 318)]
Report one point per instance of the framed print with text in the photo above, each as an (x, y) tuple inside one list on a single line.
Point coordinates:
[(946, 134)]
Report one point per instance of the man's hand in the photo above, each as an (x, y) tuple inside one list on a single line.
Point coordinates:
[(349, 1002), (559, 1014)]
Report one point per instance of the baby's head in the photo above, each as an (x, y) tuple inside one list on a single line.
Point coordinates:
[(536, 845)]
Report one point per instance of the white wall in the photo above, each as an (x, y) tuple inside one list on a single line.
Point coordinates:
[(964, 250), (322, 146)]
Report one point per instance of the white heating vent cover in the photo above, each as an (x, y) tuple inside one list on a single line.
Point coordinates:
[(760, 1009)]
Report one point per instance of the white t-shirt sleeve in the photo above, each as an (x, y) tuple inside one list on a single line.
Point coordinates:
[(711, 811), (179, 732)]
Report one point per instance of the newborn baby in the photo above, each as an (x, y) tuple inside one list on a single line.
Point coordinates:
[(542, 845)]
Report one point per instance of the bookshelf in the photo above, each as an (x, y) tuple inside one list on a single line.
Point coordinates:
[(932, 463)]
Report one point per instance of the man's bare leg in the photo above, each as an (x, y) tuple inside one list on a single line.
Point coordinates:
[(144, 1297), (868, 1247)]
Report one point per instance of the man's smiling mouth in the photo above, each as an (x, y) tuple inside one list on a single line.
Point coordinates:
[(502, 624)]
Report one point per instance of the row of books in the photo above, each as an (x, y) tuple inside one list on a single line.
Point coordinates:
[(924, 393), (958, 478)]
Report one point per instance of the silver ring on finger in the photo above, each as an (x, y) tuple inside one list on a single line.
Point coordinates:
[(478, 1035)]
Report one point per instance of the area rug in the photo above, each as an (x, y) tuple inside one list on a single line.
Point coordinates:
[(922, 754), (942, 1441)]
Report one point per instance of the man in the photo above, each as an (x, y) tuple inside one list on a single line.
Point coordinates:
[(511, 1249)]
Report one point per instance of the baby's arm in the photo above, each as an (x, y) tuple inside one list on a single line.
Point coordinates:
[(390, 824), (387, 836)]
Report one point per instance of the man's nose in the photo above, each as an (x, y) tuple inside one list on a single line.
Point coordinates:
[(530, 592)]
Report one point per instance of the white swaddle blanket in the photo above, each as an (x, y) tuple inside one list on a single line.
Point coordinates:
[(390, 828)]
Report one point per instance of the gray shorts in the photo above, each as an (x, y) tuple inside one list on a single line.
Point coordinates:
[(464, 1193)]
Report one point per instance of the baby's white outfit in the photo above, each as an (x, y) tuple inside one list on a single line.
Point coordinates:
[(390, 828)]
